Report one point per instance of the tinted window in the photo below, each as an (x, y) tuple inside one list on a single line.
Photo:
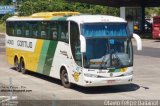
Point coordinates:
[(75, 42), (18, 28), (63, 31), (53, 30), (43, 30), (10, 28), (104, 29), (27, 29), (35, 29)]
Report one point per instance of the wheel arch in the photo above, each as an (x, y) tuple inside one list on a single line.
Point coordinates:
[(65, 67), (24, 60), (16, 56)]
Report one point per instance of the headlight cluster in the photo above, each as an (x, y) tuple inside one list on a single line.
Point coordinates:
[(90, 75), (128, 73)]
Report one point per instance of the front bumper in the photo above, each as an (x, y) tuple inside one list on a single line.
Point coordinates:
[(88, 82)]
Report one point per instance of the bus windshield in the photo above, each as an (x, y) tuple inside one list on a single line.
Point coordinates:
[(107, 46), (106, 53), (104, 29)]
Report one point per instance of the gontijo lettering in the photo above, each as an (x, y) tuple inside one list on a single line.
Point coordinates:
[(24, 44)]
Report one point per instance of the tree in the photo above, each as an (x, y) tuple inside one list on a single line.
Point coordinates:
[(3, 18), (30, 7), (27, 8), (152, 11), (5, 2)]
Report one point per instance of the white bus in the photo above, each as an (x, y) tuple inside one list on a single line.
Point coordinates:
[(87, 50)]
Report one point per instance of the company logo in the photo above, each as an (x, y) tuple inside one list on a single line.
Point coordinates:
[(111, 74), (76, 76)]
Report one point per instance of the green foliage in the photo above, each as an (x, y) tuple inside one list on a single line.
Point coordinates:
[(2, 22), (3, 18), (5, 2), (2, 27), (26, 8), (31, 6), (152, 11)]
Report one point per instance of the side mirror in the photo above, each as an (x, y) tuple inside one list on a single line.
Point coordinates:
[(138, 40), (83, 44)]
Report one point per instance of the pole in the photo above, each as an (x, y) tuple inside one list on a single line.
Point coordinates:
[(54, 100), (11, 88), (143, 19)]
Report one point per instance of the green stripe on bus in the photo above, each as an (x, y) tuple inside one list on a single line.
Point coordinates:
[(49, 58), (114, 70), (111, 70), (59, 18), (43, 56), (117, 70)]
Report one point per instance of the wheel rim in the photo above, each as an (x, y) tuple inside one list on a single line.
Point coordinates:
[(22, 67), (16, 65), (65, 78)]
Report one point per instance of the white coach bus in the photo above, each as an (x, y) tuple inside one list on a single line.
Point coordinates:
[(87, 50)]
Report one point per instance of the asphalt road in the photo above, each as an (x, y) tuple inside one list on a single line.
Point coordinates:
[(145, 86)]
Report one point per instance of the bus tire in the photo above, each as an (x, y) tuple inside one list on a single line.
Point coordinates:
[(64, 78), (16, 64), (22, 66)]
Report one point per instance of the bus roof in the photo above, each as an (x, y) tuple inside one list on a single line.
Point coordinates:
[(48, 15), (72, 16), (43, 16), (95, 19)]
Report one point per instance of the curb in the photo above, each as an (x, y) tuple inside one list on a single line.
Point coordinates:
[(3, 34)]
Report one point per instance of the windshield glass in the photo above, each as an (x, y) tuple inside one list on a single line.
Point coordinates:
[(108, 45), (104, 29), (106, 53)]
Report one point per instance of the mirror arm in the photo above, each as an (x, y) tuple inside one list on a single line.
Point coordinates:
[(83, 44), (138, 40)]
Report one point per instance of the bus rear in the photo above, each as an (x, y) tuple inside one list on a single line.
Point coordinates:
[(156, 27)]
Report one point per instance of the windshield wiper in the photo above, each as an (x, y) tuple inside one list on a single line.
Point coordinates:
[(103, 61), (118, 59)]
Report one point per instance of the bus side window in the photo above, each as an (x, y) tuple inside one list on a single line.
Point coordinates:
[(35, 29), (75, 42), (10, 28), (53, 30), (43, 34), (43, 30), (26, 29), (13, 29), (19, 29), (23, 29), (54, 34), (63, 31)]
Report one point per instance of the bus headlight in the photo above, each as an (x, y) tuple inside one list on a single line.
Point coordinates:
[(90, 75), (128, 73)]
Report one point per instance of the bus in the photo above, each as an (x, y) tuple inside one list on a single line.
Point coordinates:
[(86, 50), (156, 27)]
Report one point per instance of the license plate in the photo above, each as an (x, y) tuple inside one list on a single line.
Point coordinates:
[(110, 81)]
